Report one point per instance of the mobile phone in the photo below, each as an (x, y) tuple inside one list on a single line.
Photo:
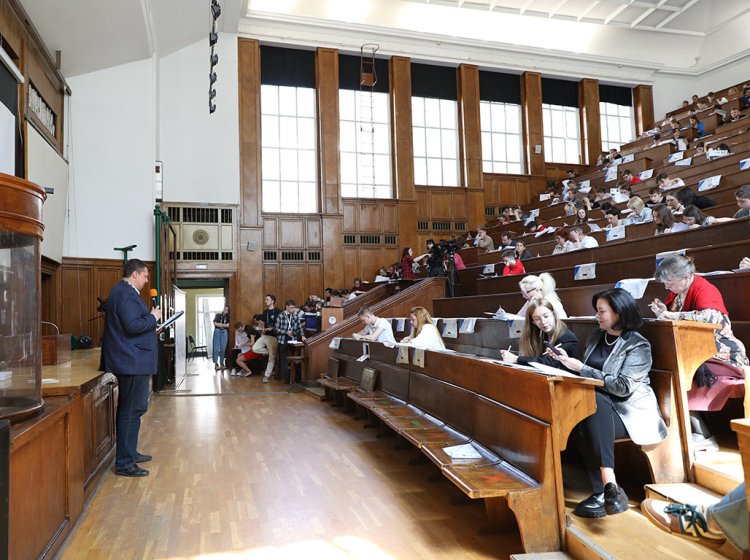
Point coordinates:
[(555, 351)]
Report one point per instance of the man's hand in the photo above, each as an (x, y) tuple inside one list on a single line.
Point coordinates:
[(156, 312), (304, 339)]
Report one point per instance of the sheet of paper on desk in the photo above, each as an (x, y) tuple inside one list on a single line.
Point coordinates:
[(709, 183), (661, 256), (628, 158), (677, 156), (488, 269), (515, 328), (418, 357), (617, 232), (468, 324), (465, 451), (363, 358), (584, 271), (745, 164), (647, 174), (335, 343), (503, 316), (450, 328), (636, 287), (403, 354), (610, 174), (594, 227), (715, 272), (47, 381), (435, 320), (547, 370), (400, 325), (684, 162), (544, 196)]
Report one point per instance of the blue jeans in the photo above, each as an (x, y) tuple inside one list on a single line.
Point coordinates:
[(731, 515), (132, 403), (220, 345)]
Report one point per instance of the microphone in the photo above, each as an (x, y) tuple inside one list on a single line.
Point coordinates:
[(154, 297)]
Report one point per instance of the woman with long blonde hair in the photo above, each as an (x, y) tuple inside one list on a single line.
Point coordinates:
[(424, 333)]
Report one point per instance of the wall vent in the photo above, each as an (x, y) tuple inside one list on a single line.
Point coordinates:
[(292, 255), (313, 256), (389, 239), (200, 255), (490, 211), (203, 231), (174, 214), (459, 226), (441, 226), (200, 215), (424, 226), (369, 239), (350, 238), (269, 256)]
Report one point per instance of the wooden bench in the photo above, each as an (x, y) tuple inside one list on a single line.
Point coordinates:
[(518, 420)]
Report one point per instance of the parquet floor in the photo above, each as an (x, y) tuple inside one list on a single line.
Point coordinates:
[(254, 473)]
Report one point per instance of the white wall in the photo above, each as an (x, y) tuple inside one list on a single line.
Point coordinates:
[(200, 151), (111, 147)]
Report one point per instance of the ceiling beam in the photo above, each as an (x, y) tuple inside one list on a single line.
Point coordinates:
[(554, 10), (593, 5), (647, 13), (670, 17), (525, 7), (617, 12)]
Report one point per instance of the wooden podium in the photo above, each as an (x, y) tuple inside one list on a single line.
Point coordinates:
[(55, 349)]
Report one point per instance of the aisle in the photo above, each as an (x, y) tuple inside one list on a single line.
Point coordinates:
[(256, 473)]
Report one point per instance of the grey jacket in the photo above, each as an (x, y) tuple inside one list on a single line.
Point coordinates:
[(626, 379)]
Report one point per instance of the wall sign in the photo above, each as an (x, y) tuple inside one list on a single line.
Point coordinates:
[(39, 107)]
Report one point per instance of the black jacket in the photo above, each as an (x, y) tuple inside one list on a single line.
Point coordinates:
[(567, 341)]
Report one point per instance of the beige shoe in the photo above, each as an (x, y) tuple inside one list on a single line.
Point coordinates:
[(687, 521)]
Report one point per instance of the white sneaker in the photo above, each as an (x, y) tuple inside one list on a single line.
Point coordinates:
[(266, 379), (233, 372)]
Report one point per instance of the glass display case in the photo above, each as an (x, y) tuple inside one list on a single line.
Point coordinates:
[(20, 321)]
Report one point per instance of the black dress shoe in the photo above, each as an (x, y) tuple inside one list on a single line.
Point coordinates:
[(132, 470), (142, 458), (615, 499), (592, 507)]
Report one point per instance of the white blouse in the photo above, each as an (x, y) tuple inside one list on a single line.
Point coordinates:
[(428, 338)]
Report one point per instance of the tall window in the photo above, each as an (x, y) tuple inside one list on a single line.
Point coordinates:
[(365, 144), (289, 149), (435, 125), (562, 136), (501, 137), (617, 124)]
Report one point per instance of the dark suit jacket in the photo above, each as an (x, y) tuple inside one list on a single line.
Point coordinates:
[(129, 343)]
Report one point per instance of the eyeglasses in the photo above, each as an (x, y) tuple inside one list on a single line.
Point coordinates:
[(528, 294)]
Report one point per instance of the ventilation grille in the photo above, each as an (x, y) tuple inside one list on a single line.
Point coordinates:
[(490, 211), (200, 256), (226, 216), (174, 255), (270, 255), (369, 239), (350, 238), (313, 256), (441, 226), (292, 255), (174, 214), (459, 226), (227, 255), (424, 226), (201, 215), (389, 239)]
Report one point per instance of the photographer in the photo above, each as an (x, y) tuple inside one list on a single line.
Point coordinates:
[(435, 265)]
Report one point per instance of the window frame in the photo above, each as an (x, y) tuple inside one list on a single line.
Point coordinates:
[(443, 133), (551, 140), (488, 133)]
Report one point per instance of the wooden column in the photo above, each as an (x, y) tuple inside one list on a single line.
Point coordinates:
[(533, 131), (591, 134), (643, 107), (403, 151), (470, 142), (331, 205), (247, 294)]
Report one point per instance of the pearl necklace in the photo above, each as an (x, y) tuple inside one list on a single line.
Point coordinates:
[(609, 343)]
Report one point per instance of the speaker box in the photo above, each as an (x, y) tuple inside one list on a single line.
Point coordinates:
[(4, 486)]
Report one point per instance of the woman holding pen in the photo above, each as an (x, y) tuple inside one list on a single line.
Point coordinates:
[(543, 334)]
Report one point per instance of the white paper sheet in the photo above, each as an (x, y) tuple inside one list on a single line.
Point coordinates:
[(636, 287), (677, 156), (418, 359), (584, 271), (450, 328), (610, 174), (616, 233), (465, 451), (468, 325), (335, 343), (661, 256), (628, 158), (684, 162), (594, 227), (709, 183), (489, 269), (544, 196), (619, 197), (403, 354), (647, 174), (744, 164), (401, 323)]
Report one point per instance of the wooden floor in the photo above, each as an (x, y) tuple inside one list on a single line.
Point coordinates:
[(253, 472)]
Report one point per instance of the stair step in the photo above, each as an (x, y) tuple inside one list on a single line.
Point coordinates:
[(682, 493), (316, 392), (720, 471), (629, 536), (542, 556)]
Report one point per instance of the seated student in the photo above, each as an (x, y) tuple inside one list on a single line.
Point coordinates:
[(745, 98), (745, 262), (674, 203), (655, 197), (695, 98), (663, 218), (563, 242), (602, 159), (536, 228), (424, 333), (570, 208), (625, 406), (506, 240), (521, 253), (382, 275), (639, 213), (628, 176), (601, 196), (376, 328), (710, 525), (581, 240), (679, 140), (241, 345), (542, 286), (697, 127), (357, 285), (687, 197), (484, 241), (743, 202), (625, 188), (582, 216), (665, 183), (569, 191), (685, 103), (694, 218), (542, 327), (733, 116), (613, 155), (612, 216), (700, 149), (693, 298), (250, 357), (512, 264), (571, 174)]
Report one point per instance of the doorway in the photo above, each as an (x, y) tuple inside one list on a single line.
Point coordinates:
[(203, 299)]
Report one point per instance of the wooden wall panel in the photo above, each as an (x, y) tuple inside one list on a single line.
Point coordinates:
[(531, 119), (441, 204), (643, 108), (270, 233), (293, 283), (371, 259), (314, 280), (333, 239), (424, 204), (291, 233), (390, 218), (350, 216), (470, 137), (459, 204), (370, 218), (76, 299), (271, 284), (591, 138), (314, 237), (327, 83), (351, 263)]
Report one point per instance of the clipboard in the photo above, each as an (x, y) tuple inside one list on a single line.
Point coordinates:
[(171, 321)]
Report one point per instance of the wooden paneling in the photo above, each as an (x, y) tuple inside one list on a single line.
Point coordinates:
[(643, 107), (249, 126), (351, 262), (333, 239), (588, 102), (291, 233), (471, 141), (350, 216), (271, 283), (511, 189), (390, 218), (314, 280), (370, 218), (270, 233), (327, 78), (441, 205), (314, 238), (293, 282), (424, 204), (531, 118)]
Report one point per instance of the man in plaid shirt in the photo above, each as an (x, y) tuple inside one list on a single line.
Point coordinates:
[(288, 328)]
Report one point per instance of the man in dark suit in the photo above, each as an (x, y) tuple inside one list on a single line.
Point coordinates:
[(129, 350)]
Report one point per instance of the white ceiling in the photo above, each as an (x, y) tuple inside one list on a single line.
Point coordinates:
[(98, 34), (691, 17)]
